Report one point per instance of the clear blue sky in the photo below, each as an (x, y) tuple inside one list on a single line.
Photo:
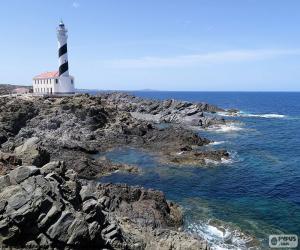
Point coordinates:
[(156, 44)]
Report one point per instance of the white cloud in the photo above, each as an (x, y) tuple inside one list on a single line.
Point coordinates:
[(198, 59), (75, 5)]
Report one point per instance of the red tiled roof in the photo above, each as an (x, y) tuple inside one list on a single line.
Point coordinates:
[(51, 74)]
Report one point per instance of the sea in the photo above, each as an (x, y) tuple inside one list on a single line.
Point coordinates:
[(238, 203)]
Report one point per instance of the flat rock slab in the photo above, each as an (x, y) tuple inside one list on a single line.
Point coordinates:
[(22, 173)]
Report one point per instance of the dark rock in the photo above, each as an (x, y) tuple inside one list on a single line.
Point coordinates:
[(186, 148), (4, 181), (21, 173), (54, 166), (43, 204), (59, 230), (73, 129), (31, 153)]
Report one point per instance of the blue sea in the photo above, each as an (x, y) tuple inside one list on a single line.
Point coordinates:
[(254, 194)]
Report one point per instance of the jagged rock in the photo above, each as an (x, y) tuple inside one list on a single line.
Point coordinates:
[(8, 161), (62, 210), (21, 173), (59, 230), (31, 153), (44, 241), (73, 129), (53, 166), (45, 220), (87, 192), (4, 181), (41, 202), (169, 111)]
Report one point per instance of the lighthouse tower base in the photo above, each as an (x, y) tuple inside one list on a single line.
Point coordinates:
[(65, 85)]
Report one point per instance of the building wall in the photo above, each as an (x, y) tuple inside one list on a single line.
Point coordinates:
[(54, 85), (44, 86), (66, 85)]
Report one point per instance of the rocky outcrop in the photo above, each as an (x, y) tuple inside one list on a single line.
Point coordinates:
[(47, 203), (14, 115), (51, 208), (196, 158), (83, 125), (167, 111), (8, 161), (31, 153)]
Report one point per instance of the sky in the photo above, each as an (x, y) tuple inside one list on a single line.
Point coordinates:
[(180, 45)]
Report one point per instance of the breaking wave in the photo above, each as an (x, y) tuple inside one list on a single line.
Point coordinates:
[(223, 161), (233, 157), (216, 143), (244, 114), (222, 236), (263, 115), (225, 128)]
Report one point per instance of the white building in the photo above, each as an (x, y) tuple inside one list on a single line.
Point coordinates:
[(57, 82), (48, 83)]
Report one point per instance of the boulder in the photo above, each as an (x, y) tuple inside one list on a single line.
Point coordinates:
[(21, 173), (31, 153)]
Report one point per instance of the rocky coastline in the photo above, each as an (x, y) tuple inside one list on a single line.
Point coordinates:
[(48, 170)]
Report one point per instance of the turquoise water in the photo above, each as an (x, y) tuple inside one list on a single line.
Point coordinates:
[(257, 192)]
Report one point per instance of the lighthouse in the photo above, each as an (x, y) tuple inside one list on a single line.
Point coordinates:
[(66, 83), (57, 82)]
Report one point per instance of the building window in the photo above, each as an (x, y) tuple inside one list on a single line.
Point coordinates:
[(56, 80), (72, 81)]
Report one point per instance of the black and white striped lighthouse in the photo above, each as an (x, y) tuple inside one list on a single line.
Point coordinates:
[(66, 82), (58, 82)]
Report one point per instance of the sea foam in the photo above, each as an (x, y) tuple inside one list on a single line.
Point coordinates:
[(244, 114), (233, 157), (225, 128), (216, 143), (221, 236)]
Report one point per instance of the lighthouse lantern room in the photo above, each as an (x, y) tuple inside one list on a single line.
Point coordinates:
[(57, 82)]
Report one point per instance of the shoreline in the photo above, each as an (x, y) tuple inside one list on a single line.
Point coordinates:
[(95, 124)]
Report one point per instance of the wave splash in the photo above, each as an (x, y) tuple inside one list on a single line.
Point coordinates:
[(223, 236), (225, 128), (244, 114), (233, 157), (216, 143)]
